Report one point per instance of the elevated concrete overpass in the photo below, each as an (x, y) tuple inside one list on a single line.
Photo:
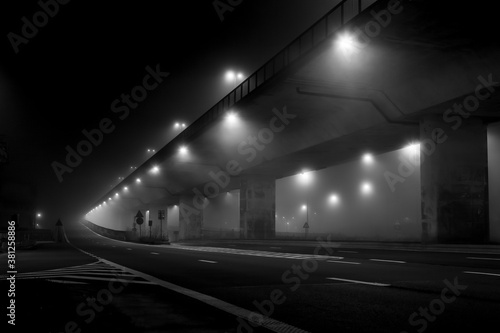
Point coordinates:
[(318, 104)]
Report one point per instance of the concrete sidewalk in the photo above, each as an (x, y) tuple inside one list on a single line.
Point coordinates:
[(397, 246)]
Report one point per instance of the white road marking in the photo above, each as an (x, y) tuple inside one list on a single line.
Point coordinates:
[(154, 253), (128, 248), (66, 282), (392, 261), (208, 261), (344, 262), (377, 284), (482, 273), (275, 247), (483, 258), (254, 318)]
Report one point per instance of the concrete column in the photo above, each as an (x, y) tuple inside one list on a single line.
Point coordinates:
[(191, 216), (494, 180), (454, 183), (257, 207)]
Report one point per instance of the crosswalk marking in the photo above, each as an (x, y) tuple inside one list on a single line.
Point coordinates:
[(267, 254), (98, 271)]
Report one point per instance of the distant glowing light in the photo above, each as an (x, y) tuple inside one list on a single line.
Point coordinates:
[(183, 150), (155, 169), (232, 76), (413, 150), (125, 188), (366, 188), (231, 118), (39, 215), (138, 180), (305, 177), (414, 146), (368, 158), (348, 45), (334, 198), (116, 194), (304, 207)]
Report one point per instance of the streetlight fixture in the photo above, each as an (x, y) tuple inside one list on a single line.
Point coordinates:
[(233, 77)]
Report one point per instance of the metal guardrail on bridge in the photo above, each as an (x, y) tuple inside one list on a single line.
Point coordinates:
[(317, 33)]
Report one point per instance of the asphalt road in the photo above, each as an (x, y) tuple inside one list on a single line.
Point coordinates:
[(338, 290)]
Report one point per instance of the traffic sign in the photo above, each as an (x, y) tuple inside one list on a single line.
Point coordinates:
[(161, 214), (306, 225), (139, 214), (139, 220), (150, 223)]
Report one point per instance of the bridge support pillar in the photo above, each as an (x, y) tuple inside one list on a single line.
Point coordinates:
[(191, 216), (257, 207), (454, 182)]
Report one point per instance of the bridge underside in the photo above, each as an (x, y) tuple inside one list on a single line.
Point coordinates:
[(397, 87)]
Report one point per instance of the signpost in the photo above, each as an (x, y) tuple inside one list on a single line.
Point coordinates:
[(306, 227), (161, 217), (150, 223), (139, 220)]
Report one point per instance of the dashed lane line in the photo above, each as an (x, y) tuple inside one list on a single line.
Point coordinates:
[(391, 261), (344, 262), (208, 261), (477, 258), (376, 284), (481, 273)]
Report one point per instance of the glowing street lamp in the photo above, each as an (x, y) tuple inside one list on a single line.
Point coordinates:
[(179, 125), (334, 198), (366, 188), (233, 77), (155, 169), (348, 45), (368, 158)]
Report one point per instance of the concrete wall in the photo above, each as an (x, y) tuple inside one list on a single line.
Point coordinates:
[(112, 215), (221, 216), (494, 180), (386, 213)]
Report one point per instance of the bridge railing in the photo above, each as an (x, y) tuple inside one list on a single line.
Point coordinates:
[(317, 33)]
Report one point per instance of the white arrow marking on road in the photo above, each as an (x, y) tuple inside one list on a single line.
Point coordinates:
[(154, 253), (361, 282), (208, 261), (393, 261)]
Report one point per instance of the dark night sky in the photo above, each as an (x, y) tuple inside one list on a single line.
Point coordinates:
[(66, 77)]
